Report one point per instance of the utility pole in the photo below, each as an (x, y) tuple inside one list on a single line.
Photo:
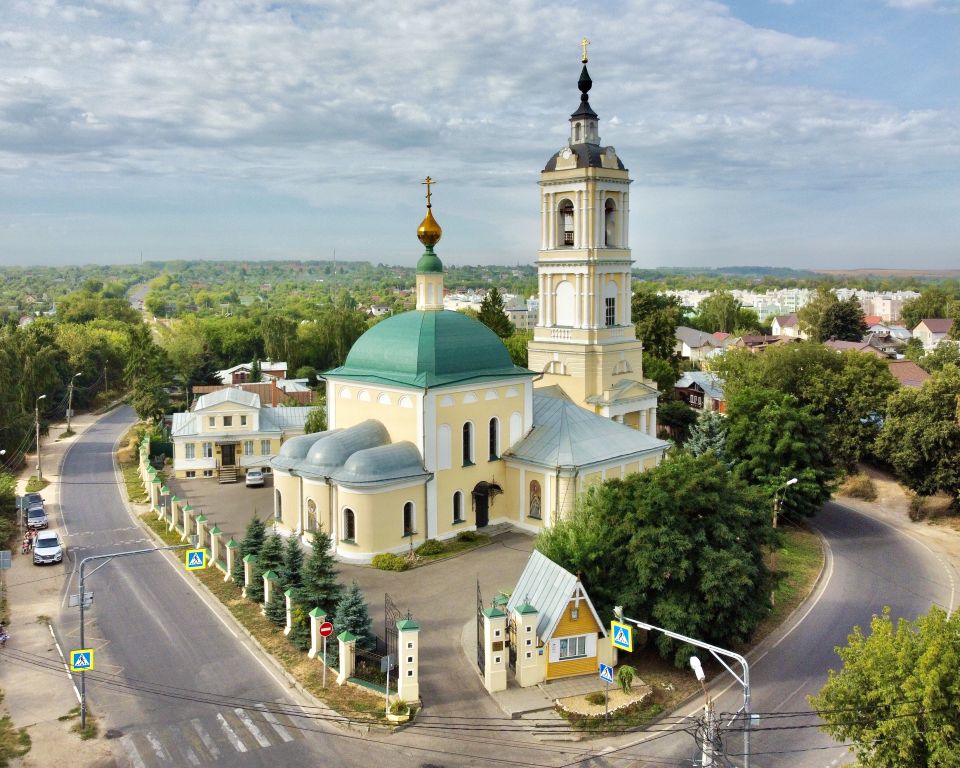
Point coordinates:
[(776, 515), (36, 424), (70, 401)]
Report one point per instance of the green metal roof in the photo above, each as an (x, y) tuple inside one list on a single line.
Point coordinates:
[(428, 349), (429, 262)]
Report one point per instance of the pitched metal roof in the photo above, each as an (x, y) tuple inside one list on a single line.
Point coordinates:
[(548, 588), (566, 435), (694, 338), (708, 382), (229, 395), (936, 324), (284, 417)]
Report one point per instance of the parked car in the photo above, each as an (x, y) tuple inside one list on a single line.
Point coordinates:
[(31, 500), (36, 517), (48, 548), (254, 478)]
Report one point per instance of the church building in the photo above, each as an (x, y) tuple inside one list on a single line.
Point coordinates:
[(432, 428)]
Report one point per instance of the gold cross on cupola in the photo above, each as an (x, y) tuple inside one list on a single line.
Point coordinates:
[(584, 43), (428, 181)]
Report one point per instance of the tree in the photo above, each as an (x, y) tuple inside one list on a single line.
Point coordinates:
[(708, 434), (932, 302), (812, 314), (252, 541), (843, 321), (291, 570), (320, 586), (316, 420), (256, 371), (353, 616), (677, 417), (896, 695), (920, 438), (493, 316), (279, 336), (663, 372), (656, 317), (688, 538), (941, 355), (718, 312), (772, 438), (517, 347), (276, 609), (271, 555)]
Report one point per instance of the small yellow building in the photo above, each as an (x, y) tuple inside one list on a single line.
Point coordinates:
[(554, 629)]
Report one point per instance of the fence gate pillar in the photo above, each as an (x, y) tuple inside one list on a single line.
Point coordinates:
[(495, 650), (270, 582), (232, 548), (530, 666), (248, 561), (317, 617), (408, 652), (288, 596), (348, 655)]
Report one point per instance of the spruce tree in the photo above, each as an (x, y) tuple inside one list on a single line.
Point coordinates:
[(270, 556), (252, 541), (352, 616), (277, 607), (493, 315), (255, 588), (320, 588), (290, 571), (300, 631), (708, 434)]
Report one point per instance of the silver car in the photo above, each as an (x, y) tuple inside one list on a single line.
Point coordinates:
[(47, 548), (254, 478)]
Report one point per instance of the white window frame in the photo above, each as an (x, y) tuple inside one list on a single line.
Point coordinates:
[(207, 450), (248, 447), (190, 451), (228, 421), (212, 421), (243, 420), (265, 447)]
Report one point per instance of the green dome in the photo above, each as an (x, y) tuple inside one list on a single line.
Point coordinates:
[(429, 262), (426, 349)]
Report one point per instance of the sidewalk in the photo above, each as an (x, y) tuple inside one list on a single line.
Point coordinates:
[(35, 696)]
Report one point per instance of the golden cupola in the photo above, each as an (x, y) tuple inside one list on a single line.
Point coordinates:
[(429, 267)]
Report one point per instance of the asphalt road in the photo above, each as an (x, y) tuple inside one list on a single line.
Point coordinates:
[(870, 565)]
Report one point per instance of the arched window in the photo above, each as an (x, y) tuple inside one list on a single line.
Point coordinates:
[(458, 507), (494, 438), (468, 444), (610, 304), (535, 499), (409, 519), (566, 304), (277, 504), (349, 525), (576, 133), (566, 223), (610, 223), (313, 522)]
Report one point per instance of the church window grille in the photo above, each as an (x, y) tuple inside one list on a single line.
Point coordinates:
[(409, 519), (494, 439), (566, 223), (468, 444), (611, 311), (349, 525)]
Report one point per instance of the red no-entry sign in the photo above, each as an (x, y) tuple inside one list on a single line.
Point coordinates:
[(326, 629)]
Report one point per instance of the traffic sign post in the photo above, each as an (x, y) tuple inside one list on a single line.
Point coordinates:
[(81, 660), (195, 559), (606, 674), (325, 630), (621, 636)]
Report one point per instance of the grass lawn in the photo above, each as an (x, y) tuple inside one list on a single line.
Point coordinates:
[(453, 547), (34, 485), (798, 562)]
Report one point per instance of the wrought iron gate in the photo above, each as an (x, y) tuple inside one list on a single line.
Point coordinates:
[(391, 615), (480, 659)]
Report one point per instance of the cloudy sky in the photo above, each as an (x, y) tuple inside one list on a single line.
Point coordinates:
[(781, 132)]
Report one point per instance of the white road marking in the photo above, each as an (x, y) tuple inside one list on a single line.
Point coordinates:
[(251, 726), (271, 718), (65, 665), (208, 742), (158, 748), (230, 734), (131, 749), (184, 746)]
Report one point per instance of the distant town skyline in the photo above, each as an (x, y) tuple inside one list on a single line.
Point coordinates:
[(796, 133)]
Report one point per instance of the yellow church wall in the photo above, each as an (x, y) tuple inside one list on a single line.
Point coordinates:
[(288, 486), (584, 624), (517, 487), (382, 405), (379, 519)]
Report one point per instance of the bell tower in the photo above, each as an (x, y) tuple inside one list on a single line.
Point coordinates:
[(584, 341)]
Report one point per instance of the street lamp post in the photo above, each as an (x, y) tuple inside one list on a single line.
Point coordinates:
[(776, 514), (709, 721), (717, 652), (82, 595), (36, 424), (70, 400)]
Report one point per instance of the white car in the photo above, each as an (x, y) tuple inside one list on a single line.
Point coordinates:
[(254, 478), (47, 548)]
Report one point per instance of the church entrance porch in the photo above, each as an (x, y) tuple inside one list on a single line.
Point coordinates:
[(483, 494)]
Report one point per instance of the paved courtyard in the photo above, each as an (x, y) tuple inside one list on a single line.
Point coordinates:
[(229, 505)]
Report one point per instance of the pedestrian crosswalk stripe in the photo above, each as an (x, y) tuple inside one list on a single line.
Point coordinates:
[(271, 718), (230, 734), (208, 742), (184, 746), (158, 748), (251, 726), (131, 749)]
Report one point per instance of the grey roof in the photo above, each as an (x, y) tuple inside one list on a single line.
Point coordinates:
[(228, 395), (708, 382), (936, 324), (548, 588), (588, 156), (624, 391), (284, 417), (566, 435), (359, 455), (184, 423), (694, 338)]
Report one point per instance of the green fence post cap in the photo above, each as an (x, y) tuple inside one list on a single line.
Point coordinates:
[(232, 543), (346, 636), (270, 575), (164, 489), (201, 518), (249, 558), (290, 593), (215, 530), (406, 625), (318, 613)]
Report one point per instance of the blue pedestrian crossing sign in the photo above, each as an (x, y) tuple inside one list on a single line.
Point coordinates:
[(621, 635), (81, 660), (606, 673), (196, 559)]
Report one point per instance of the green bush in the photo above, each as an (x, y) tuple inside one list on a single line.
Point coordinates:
[(430, 547), (859, 486), (468, 536), (387, 561), (597, 697), (399, 707), (918, 507)]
